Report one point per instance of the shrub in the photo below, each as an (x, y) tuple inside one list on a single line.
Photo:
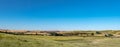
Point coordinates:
[(97, 32), (108, 35)]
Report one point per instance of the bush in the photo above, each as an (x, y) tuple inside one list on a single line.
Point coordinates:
[(108, 35), (98, 32)]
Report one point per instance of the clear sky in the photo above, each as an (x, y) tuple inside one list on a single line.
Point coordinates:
[(60, 14)]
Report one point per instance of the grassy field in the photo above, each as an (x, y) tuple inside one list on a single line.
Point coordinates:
[(7, 40)]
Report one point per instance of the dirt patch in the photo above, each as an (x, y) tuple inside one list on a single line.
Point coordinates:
[(98, 41)]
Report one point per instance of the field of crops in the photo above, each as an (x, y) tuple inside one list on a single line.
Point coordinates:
[(7, 40)]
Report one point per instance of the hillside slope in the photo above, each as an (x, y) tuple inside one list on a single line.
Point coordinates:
[(7, 40)]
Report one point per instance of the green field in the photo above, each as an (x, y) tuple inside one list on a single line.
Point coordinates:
[(7, 40)]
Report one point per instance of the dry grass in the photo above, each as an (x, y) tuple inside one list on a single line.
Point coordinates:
[(7, 40)]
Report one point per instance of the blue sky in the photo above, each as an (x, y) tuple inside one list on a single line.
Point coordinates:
[(60, 14)]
